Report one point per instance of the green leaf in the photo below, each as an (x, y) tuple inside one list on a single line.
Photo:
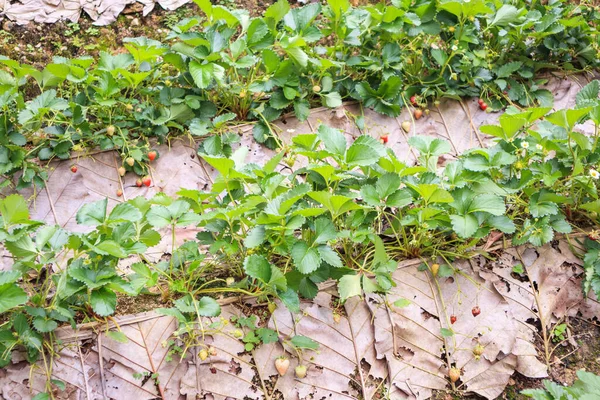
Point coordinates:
[(401, 303), (302, 109), (103, 301), (505, 15), (255, 237), (333, 140), (541, 236), (159, 216), (503, 223), (490, 203), (366, 150), (208, 307), (330, 256), (324, 231), (257, 267), (14, 210), (303, 342), (11, 296), (349, 286), (9, 276), (332, 100), (92, 214), (445, 332), (464, 225), (588, 95), (298, 56), (291, 300), (111, 247), (538, 207), (431, 193), (203, 74), (306, 258), (277, 11), (44, 325), (509, 68), (266, 335), (117, 336)]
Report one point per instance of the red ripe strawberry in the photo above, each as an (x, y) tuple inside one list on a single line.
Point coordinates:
[(413, 100), (147, 181), (119, 193), (418, 113), (480, 101), (476, 311), (213, 370), (138, 183), (73, 168), (452, 319), (152, 155), (384, 139), (483, 106)]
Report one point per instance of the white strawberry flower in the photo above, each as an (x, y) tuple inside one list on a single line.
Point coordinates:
[(594, 174), (525, 145)]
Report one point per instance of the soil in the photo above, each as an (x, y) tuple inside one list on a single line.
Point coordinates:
[(142, 303), (36, 44)]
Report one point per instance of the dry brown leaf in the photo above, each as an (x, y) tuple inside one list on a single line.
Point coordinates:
[(344, 366), (227, 375), (23, 381), (145, 353), (416, 339)]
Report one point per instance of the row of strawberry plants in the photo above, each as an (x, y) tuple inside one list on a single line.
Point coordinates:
[(348, 214), (225, 67)]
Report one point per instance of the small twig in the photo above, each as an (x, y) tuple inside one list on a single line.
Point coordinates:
[(468, 112), (447, 130), (51, 203), (391, 318), (85, 378), (101, 363)]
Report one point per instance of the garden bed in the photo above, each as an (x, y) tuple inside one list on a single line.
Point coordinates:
[(404, 240)]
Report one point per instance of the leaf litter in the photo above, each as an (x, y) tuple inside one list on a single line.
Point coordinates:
[(401, 344)]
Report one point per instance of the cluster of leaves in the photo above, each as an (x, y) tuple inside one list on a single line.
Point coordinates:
[(586, 387), (347, 212), (227, 66)]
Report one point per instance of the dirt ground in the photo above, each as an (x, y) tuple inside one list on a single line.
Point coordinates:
[(36, 44)]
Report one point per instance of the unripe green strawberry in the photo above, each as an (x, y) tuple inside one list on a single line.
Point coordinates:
[(203, 354), (300, 371), (406, 126)]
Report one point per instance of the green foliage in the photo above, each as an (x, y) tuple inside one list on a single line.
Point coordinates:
[(257, 68), (272, 234), (586, 387)]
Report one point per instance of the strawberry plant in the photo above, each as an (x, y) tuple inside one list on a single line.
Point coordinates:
[(224, 68)]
